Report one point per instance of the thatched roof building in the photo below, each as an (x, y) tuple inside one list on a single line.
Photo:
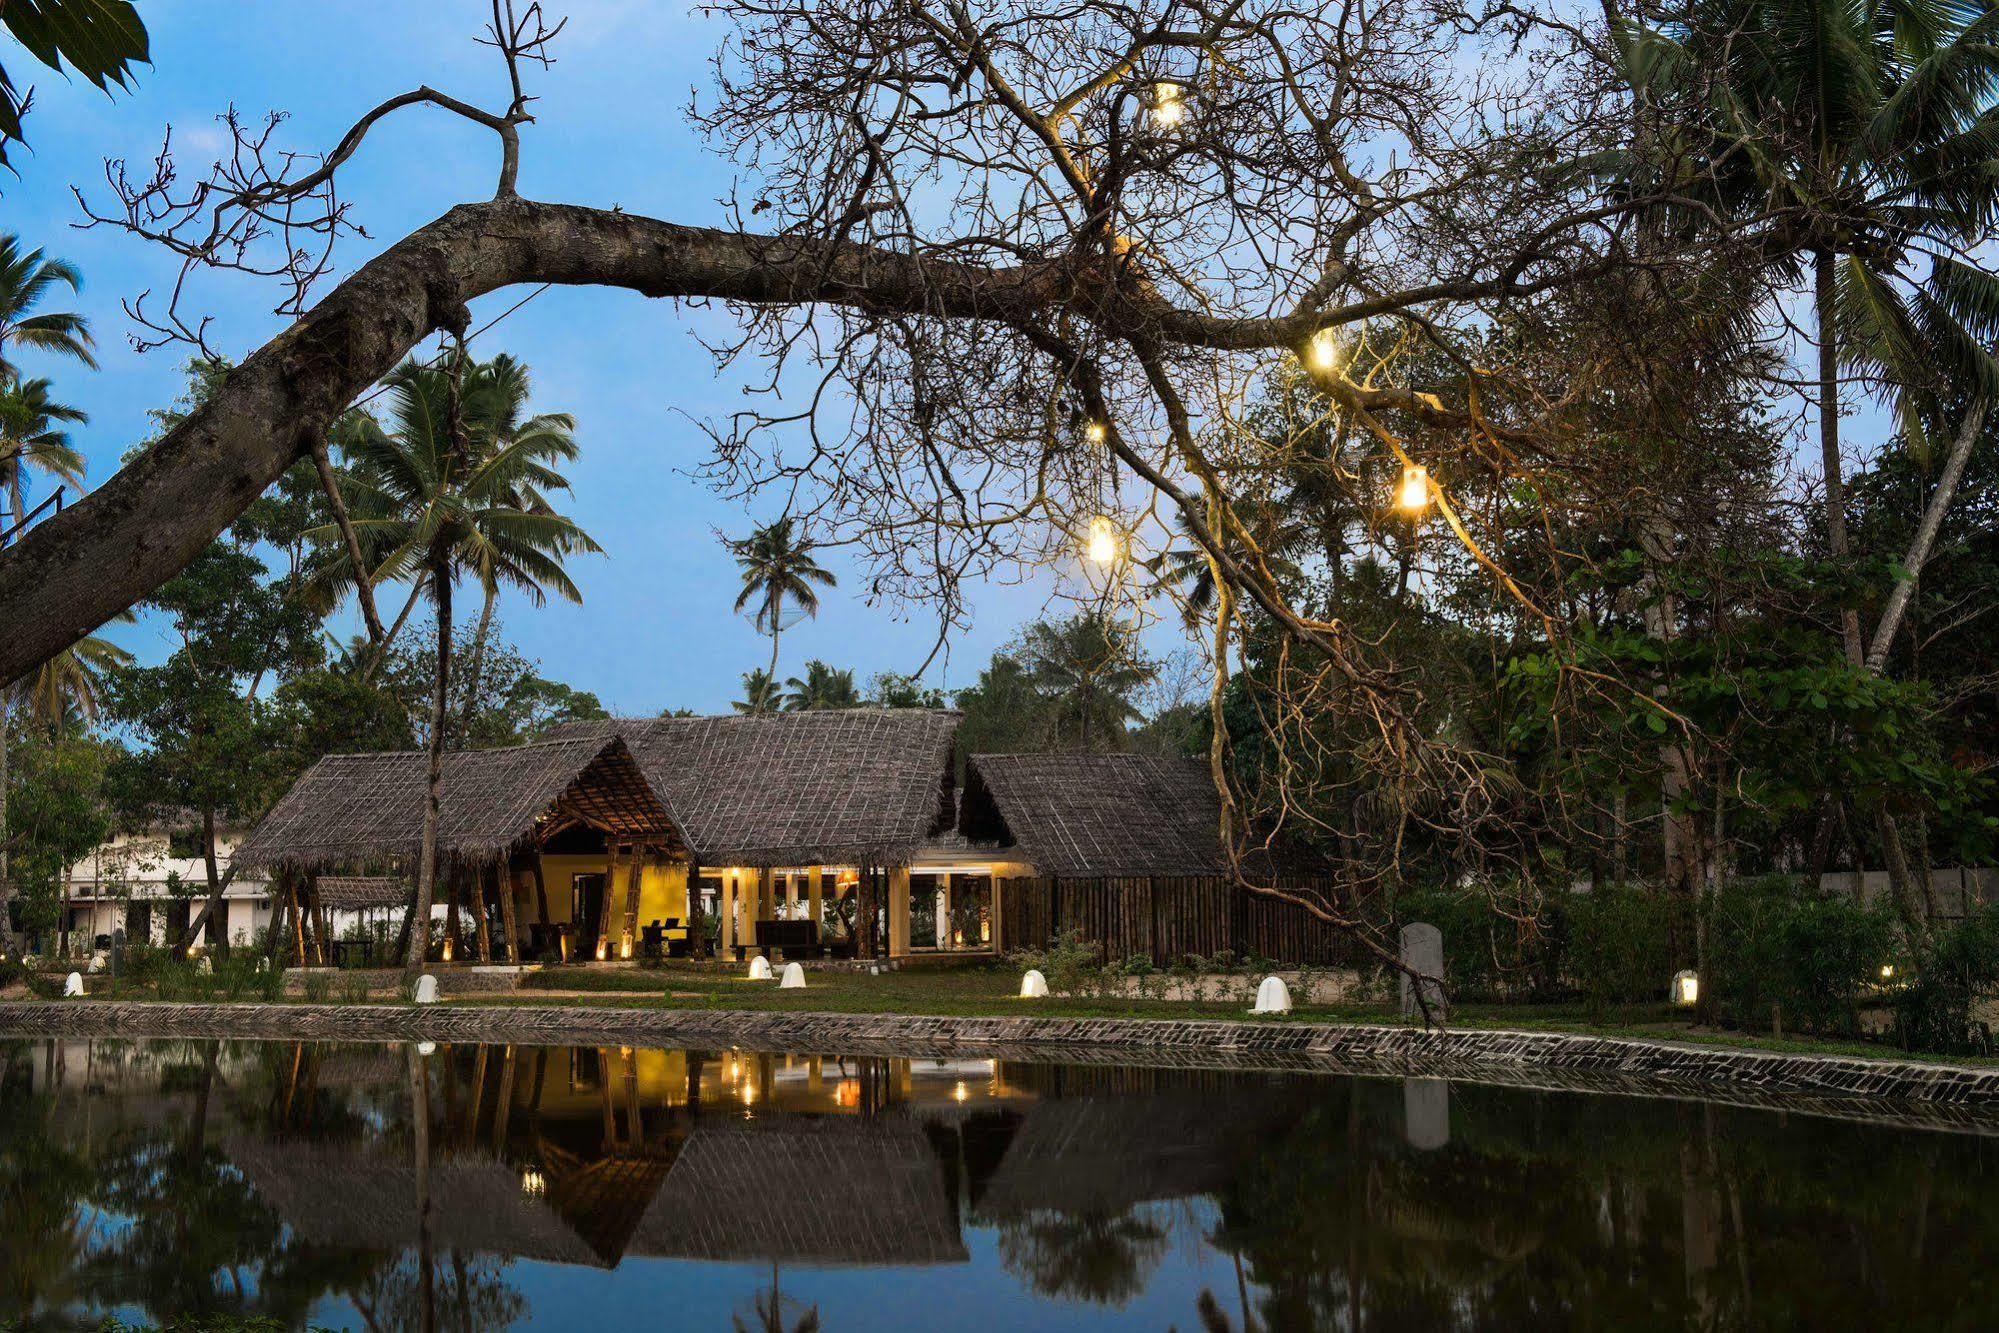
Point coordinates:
[(835, 787), (830, 1190), (368, 808), (1096, 814)]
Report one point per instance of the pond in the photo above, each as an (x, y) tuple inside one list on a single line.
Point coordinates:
[(482, 1187)]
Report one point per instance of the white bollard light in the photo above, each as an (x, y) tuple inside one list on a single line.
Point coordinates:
[(426, 989), (1273, 997), (760, 968), (72, 985), (794, 977), (1033, 986)]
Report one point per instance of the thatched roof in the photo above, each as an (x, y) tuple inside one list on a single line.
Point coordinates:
[(827, 1190), (357, 808), (834, 787), (349, 1197), (1097, 814), (355, 893)]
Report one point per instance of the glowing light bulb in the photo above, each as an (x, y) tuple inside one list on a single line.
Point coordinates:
[(533, 1184), (1103, 543), (1414, 493), (1169, 108), (1327, 350), (1096, 432), (960, 1092)]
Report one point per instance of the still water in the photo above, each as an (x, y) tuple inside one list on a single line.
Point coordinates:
[(485, 1187)]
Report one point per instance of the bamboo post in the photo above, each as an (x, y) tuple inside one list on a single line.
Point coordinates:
[(633, 875), (503, 881), (475, 891)]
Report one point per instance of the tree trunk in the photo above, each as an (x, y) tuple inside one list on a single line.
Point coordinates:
[(1823, 278), (381, 653), (482, 938), (364, 586), (763, 705), (1918, 553), (503, 885), (426, 876), (6, 877), (476, 667), (218, 942)]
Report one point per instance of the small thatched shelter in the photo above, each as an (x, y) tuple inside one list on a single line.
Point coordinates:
[(362, 893), (353, 809), (1078, 815), (853, 786)]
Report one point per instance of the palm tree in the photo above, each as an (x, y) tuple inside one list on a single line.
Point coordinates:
[(1875, 127), (436, 495), (1187, 573), (822, 688), (70, 684), (760, 693), (27, 277), (777, 567), (1086, 668), (31, 436)]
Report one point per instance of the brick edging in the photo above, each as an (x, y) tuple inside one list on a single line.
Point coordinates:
[(1461, 1052)]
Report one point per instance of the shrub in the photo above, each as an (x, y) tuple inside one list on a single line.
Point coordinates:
[(1622, 944), (1067, 963), (1937, 1010), (1814, 957)]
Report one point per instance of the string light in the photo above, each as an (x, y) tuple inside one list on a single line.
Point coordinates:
[(1414, 493), (1103, 543)]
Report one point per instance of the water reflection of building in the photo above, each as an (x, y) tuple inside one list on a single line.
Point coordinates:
[(595, 1155)]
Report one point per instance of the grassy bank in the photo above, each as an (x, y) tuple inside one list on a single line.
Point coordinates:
[(984, 991)]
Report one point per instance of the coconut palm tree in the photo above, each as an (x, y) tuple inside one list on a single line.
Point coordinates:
[(778, 566), (761, 693), (32, 436), (436, 494), (1873, 127), (70, 684), (1086, 668), (1186, 572), (27, 278), (822, 687)]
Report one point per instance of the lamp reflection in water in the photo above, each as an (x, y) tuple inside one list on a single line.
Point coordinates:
[(533, 1183)]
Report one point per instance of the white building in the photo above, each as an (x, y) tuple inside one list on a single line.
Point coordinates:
[(150, 882)]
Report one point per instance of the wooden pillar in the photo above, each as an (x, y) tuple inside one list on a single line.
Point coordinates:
[(628, 947), (815, 899), (766, 897), (865, 898), (690, 905), (898, 912), (451, 936), (541, 891), (725, 910), (503, 877), (482, 938)]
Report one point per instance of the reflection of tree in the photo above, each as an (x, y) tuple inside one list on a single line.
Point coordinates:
[(767, 1313), (476, 1296), (1093, 1256), (43, 1228)]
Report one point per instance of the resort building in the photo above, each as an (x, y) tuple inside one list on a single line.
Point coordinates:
[(150, 881), (809, 832)]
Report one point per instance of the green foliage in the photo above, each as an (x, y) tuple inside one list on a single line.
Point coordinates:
[(55, 815), (1624, 944), (508, 702), (1937, 1009), (1067, 962), (1814, 957), (102, 40)]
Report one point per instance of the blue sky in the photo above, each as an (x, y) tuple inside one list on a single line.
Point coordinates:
[(655, 628)]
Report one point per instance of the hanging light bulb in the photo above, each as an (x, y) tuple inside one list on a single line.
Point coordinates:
[(1327, 350), (1414, 493), (1096, 432), (1169, 106), (1103, 543)]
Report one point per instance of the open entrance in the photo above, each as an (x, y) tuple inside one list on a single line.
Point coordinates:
[(586, 909)]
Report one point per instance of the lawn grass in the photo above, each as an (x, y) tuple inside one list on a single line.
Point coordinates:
[(985, 990)]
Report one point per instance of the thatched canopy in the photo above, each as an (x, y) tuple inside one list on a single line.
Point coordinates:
[(359, 808), (827, 1190), (1097, 814), (834, 787), (357, 893)]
